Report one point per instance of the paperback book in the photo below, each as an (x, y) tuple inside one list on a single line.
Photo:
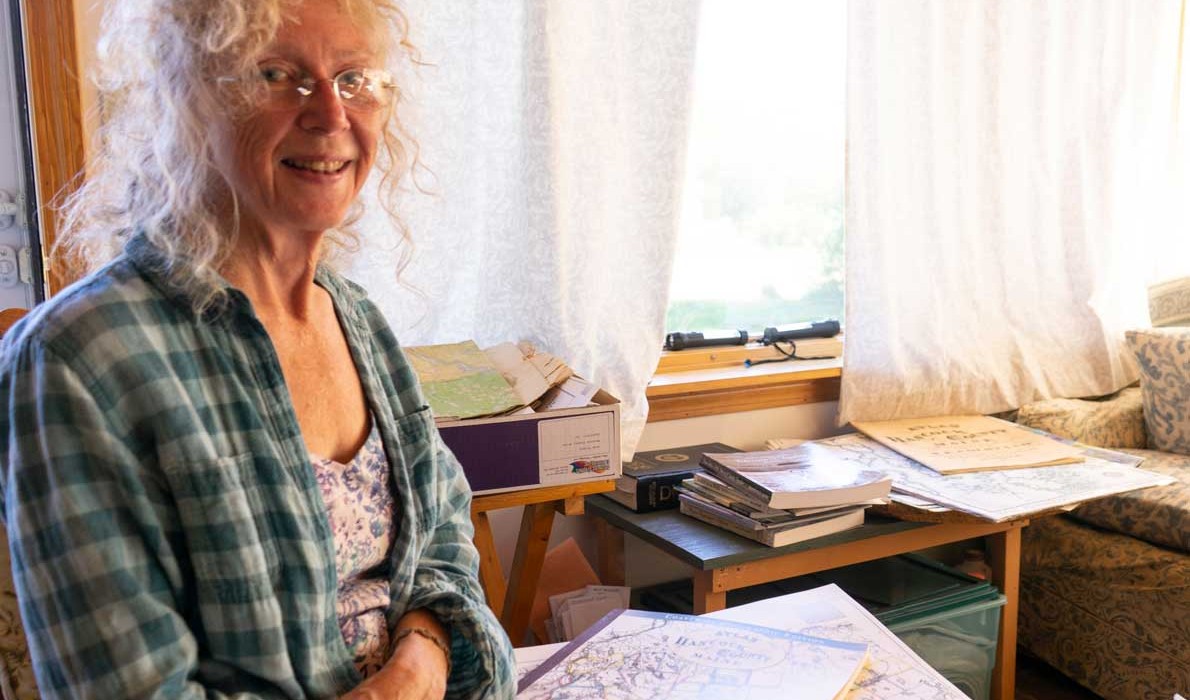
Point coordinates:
[(806, 476), (712, 490), (666, 656), (773, 534)]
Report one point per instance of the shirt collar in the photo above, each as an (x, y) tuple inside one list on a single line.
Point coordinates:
[(171, 277)]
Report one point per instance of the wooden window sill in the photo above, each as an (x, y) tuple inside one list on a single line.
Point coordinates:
[(705, 382)]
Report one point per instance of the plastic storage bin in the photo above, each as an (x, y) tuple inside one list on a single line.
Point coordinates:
[(959, 642)]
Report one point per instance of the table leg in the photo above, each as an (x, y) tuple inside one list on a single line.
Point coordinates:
[(1005, 559), (491, 576), (705, 598), (536, 522), (611, 553)]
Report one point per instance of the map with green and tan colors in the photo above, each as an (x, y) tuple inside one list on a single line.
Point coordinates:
[(459, 380)]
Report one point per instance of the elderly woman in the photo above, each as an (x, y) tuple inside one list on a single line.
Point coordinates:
[(220, 478)]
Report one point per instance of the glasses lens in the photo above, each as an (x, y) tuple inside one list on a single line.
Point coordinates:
[(364, 89)]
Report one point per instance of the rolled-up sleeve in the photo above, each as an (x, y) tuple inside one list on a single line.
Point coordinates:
[(446, 577)]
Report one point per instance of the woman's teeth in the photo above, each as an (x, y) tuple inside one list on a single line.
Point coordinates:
[(318, 166)]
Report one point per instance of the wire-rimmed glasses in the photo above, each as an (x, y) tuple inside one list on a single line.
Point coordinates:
[(279, 88)]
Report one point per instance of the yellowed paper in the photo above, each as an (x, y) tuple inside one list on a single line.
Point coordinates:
[(957, 444)]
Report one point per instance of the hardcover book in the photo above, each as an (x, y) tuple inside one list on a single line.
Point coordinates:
[(672, 459), (805, 476), (667, 656), (648, 481)]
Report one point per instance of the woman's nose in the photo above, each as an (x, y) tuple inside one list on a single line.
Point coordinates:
[(323, 110)]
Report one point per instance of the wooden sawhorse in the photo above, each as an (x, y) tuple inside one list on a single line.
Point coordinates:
[(536, 522)]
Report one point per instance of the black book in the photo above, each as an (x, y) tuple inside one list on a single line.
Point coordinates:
[(648, 481)]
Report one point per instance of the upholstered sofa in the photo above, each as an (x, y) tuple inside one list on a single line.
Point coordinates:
[(1105, 589), (16, 671)]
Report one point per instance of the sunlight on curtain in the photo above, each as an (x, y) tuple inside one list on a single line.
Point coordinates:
[(1175, 217), (1008, 170), (555, 133)]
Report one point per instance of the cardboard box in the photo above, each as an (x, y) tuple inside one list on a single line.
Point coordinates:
[(550, 448)]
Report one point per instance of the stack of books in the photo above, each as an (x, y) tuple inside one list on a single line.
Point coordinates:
[(649, 481), (781, 497)]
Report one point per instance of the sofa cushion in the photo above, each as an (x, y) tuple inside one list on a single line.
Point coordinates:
[(16, 668), (1116, 422), (1164, 358), (1160, 515)]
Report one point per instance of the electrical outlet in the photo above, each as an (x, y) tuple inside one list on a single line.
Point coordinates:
[(9, 267)]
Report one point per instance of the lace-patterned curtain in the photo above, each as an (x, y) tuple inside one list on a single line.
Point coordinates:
[(555, 133), (1008, 166)]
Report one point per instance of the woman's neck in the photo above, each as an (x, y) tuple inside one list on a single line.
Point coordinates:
[(276, 272)]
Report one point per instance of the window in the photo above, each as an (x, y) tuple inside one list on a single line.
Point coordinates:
[(761, 233)]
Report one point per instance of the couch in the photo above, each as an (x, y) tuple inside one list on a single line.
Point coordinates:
[(16, 670), (1105, 589)]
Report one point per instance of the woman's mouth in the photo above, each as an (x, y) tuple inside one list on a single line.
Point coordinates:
[(328, 167)]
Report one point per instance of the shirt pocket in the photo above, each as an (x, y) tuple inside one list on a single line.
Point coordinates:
[(215, 506), (419, 465)]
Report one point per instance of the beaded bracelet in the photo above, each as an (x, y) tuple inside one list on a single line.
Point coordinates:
[(428, 634)]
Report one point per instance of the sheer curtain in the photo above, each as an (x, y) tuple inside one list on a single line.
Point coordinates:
[(555, 132), (1008, 161)]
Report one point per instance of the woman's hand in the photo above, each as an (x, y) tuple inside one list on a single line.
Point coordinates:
[(417, 669)]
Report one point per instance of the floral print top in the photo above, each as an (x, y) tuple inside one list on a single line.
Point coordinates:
[(360, 507)]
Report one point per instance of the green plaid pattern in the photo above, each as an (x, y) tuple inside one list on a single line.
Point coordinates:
[(168, 538)]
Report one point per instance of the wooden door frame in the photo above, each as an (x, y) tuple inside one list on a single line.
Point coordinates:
[(55, 114)]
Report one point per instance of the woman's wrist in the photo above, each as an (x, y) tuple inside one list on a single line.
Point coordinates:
[(405, 633)]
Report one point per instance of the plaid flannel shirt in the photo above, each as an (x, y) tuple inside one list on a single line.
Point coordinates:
[(168, 538)]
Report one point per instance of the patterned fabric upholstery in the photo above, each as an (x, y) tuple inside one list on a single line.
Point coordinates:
[(1164, 359), (1116, 422), (1105, 591), (1108, 610), (1159, 515), (16, 670), (1169, 303)]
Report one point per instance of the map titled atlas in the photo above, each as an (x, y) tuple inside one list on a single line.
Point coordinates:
[(658, 656)]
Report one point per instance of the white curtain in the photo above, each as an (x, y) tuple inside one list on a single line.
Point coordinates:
[(555, 131), (1176, 213), (1008, 162)]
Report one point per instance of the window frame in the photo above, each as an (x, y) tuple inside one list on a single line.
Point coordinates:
[(713, 381)]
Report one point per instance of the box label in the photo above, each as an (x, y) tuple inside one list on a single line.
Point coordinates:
[(575, 448)]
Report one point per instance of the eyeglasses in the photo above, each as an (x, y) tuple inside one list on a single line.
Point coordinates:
[(279, 88)]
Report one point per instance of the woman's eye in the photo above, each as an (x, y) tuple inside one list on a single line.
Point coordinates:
[(274, 75), (353, 79)]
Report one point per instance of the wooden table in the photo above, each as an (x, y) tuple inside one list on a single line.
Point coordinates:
[(536, 522), (723, 562)]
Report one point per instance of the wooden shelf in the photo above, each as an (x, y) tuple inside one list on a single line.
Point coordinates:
[(721, 389)]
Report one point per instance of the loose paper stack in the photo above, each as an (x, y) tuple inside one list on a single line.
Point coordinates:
[(461, 381), (960, 444), (575, 611), (999, 495)]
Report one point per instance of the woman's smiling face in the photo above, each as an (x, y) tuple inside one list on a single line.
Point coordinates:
[(298, 168)]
